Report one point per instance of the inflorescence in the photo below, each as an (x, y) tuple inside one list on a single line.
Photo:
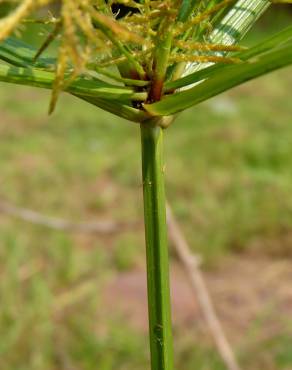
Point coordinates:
[(140, 43)]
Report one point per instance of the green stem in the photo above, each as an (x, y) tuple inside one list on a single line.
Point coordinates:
[(161, 346), (164, 42)]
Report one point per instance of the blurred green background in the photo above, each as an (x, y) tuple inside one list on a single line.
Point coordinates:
[(72, 301)]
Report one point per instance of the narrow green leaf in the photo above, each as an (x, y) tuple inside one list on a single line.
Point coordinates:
[(81, 86), (240, 18), (19, 53), (9, 58), (236, 23), (230, 77), (272, 42), (121, 110)]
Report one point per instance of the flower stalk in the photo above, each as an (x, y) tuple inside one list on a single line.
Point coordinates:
[(161, 346)]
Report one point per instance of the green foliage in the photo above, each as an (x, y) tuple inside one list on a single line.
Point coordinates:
[(221, 80), (155, 45)]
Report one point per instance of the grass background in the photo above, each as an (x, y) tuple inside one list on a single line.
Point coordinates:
[(229, 180)]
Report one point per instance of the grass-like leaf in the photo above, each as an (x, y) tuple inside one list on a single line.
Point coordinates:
[(235, 24), (228, 78), (81, 86), (19, 53), (266, 45), (121, 110)]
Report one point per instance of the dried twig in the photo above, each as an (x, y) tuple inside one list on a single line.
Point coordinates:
[(191, 264), (106, 227)]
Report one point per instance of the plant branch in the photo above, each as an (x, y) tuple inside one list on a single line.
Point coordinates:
[(96, 227)]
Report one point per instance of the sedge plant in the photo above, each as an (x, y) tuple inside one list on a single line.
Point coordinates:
[(144, 61)]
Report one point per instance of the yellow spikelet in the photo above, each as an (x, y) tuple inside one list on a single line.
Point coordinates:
[(199, 46), (203, 59), (60, 77)]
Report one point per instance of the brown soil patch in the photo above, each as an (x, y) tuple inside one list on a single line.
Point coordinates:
[(251, 295)]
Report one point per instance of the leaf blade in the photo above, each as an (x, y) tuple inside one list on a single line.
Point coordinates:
[(22, 54), (83, 87), (236, 23), (232, 76), (271, 42)]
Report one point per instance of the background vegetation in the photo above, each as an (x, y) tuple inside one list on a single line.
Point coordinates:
[(229, 181)]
